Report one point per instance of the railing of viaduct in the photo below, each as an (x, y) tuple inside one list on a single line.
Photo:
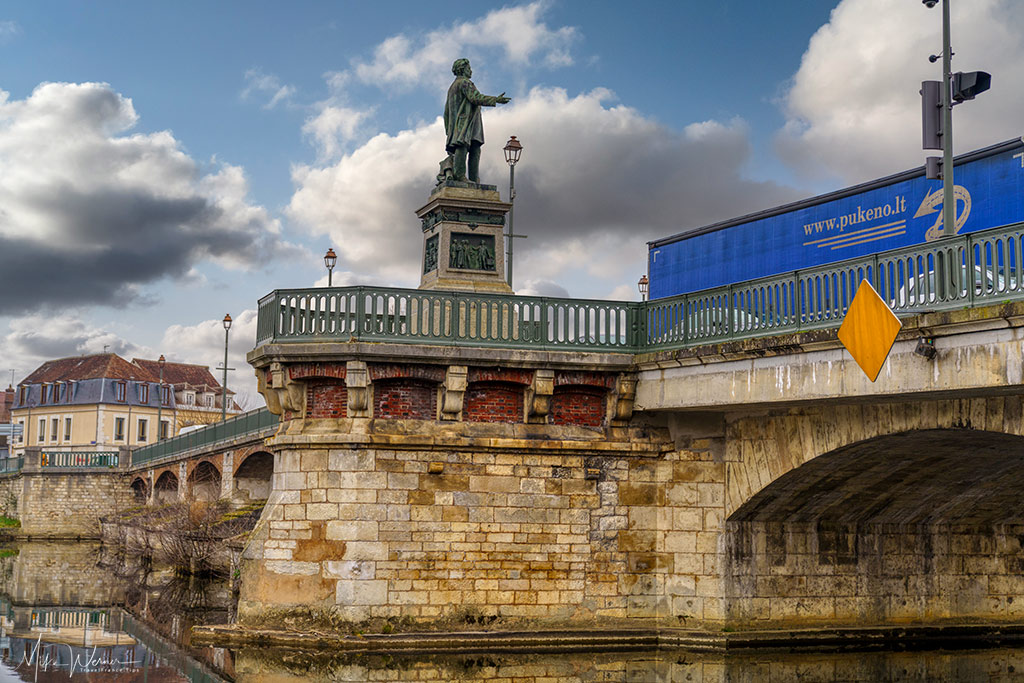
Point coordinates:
[(233, 428), (962, 271)]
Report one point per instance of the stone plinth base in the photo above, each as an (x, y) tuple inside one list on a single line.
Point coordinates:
[(464, 239)]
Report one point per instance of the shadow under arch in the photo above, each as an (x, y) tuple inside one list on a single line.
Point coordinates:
[(204, 482), (165, 490), (253, 477), (140, 489), (917, 526)]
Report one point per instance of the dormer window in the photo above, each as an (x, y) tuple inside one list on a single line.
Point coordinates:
[(55, 392), (165, 395), (23, 397), (143, 393), (119, 391)]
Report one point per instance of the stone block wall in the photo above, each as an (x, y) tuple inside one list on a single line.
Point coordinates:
[(874, 573), (70, 504), (496, 530)]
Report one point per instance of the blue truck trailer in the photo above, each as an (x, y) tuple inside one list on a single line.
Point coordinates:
[(900, 210)]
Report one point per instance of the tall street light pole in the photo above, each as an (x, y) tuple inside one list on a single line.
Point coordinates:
[(948, 200), (330, 259), (513, 149), (160, 400), (224, 400), (644, 286)]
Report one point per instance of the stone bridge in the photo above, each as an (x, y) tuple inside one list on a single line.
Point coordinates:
[(757, 481), (229, 461)]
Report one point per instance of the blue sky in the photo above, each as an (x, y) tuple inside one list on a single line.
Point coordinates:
[(186, 158)]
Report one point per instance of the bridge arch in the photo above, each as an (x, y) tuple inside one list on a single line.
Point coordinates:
[(253, 477), (761, 449), (915, 525), (204, 482), (140, 489), (165, 490)]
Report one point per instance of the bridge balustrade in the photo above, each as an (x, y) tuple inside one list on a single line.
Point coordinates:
[(232, 428), (80, 459), (11, 465), (979, 268)]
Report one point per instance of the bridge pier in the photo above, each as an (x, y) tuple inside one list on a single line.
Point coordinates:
[(457, 486)]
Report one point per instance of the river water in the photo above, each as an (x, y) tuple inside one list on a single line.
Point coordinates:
[(74, 612)]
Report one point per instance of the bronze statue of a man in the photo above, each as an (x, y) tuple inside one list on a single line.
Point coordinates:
[(463, 123)]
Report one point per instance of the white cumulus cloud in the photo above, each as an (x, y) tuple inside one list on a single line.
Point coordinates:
[(853, 109), (105, 210), (518, 32), (595, 181)]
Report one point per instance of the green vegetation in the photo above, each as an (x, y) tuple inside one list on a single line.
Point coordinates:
[(9, 522)]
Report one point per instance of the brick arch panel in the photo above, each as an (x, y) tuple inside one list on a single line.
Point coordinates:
[(493, 402), (579, 404), (216, 460), (760, 449)]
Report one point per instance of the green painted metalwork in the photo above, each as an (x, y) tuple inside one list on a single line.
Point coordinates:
[(976, 269), (11, 465), (232, 428), (78, 459)]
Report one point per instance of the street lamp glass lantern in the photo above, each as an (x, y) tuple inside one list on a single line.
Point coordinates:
[(643, 285), (512, 151), (330, 258), (227, 321)]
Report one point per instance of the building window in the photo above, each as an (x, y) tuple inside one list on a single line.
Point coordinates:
[(118, 429), (144, 393), (143, 430), (190, 398), (209, 400), (54, 429), (42, 394), (24, 394), (67, 429), (119, 391), (42, 430), (55, 392), (164, 428), (21, 437), (165, 395)]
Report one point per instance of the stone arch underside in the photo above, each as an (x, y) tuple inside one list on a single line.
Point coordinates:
[(204, 482), (924, 525), (252, 480), (140, 489), (165, 490)]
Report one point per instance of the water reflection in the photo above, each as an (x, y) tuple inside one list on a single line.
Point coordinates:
[(74, 612), (68, 611)]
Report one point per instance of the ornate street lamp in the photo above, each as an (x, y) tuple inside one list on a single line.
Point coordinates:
[(160, 400), (330, 259), (224, 400), (513, 149), (644, 286)]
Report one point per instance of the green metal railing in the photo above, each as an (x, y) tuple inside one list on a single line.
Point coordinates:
[(978, 268), (11, 465), (233, 427), (79, 459)]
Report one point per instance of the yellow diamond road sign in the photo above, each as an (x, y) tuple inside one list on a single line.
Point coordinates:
[(869, 330)]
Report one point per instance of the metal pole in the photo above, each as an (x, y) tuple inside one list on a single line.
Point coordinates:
[(948, 200), (330, 276), (224, 400), (160, 404), (511, 225)]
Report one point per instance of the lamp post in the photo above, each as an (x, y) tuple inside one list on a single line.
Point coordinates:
[(330, 259), (513, 149), (224, 400), (160, 400), (644, 286)]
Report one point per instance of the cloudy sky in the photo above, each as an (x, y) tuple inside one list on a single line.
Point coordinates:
[(162, 164)]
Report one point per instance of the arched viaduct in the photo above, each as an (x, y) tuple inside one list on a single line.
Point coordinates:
[(239, 470)]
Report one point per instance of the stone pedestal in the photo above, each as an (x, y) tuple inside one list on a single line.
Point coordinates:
[(464, 239)]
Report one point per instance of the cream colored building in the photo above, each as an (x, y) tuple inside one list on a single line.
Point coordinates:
[(103, 402)]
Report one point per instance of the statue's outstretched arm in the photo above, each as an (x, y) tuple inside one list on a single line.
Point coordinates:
[(478, 98)]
